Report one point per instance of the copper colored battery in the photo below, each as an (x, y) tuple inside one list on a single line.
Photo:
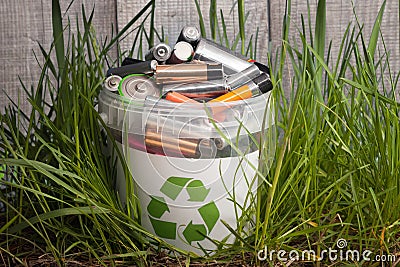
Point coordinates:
[(186, 73), (169, 145), (183, 52)]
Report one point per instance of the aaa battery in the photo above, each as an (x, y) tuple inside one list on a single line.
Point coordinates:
[(160, 52)]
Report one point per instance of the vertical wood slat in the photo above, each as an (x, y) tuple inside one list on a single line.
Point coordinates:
[(24, 24), (173, 15)]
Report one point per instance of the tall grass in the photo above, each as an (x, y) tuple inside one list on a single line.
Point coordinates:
[(335, 174)]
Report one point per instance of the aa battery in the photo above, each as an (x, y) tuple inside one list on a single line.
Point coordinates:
[(112, 83), (209, 51), (186, 73), (238, 79), (183, 52), (177, 147), (138, 87), (160, 52), (144, 67), (197, 89), (190, 34), (171, 126)]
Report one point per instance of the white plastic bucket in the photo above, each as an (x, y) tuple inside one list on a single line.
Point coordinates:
[(185, 194)]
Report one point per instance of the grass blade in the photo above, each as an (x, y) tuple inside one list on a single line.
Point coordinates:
[(58, 33)]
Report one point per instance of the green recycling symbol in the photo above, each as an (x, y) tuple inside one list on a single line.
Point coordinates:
[(197, 193)]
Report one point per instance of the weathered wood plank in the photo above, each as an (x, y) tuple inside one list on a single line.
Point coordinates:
[(24, 24)]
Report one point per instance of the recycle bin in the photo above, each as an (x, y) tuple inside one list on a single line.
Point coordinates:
[(194, 165)]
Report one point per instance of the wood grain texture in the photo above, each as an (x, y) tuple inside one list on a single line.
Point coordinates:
[(24, 24), (339, 15)]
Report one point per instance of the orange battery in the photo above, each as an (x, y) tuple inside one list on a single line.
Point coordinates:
[(255, 87), (179, 98)]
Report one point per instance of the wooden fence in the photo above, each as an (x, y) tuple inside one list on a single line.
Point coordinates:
[(25, 23)]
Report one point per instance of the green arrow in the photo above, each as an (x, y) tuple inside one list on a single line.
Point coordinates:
[(197, 191), (210, 215), (164, 229), (157, 206), (194, 232), (173, 186)]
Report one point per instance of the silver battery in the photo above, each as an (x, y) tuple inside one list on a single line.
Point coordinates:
[(209, 51), (138, 87), (197, 89), (238, 79), (190, 34), (112, 83), (160, 52)]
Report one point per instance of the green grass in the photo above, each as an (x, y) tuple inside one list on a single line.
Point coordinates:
[(335, 174)]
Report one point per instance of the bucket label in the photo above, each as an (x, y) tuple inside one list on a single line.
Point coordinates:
[(197, 192)]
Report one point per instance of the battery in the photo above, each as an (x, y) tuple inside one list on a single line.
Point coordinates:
[(238, 79), (190, 34), (138, 87), (183, 52), (209, 51), (188, 72), (172, 126), (144, 67), (197, 89), (112, 82), (160, 52), (172, 146)]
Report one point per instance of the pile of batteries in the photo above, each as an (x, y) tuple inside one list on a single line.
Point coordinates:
[(195, 71)]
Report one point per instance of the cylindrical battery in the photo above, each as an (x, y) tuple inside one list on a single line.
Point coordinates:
[(190, 34), (255, 87), (160, 52), (183, 52), (238, 79), (171, 126), (145, 67), (185, 73), (209, 51), (138, 87), (112, 83), (170, 145), (197, 89)]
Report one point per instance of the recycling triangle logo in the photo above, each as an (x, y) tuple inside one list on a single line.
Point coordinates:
[(197, 192)]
